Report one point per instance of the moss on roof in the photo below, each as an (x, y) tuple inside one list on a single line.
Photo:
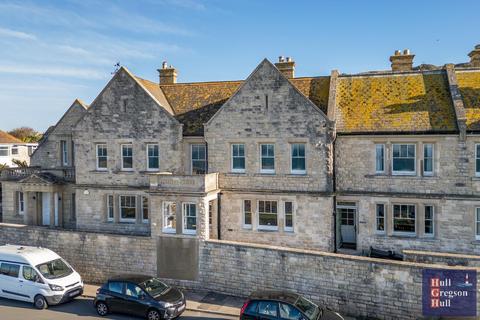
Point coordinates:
[(469, 86), (410, 102)]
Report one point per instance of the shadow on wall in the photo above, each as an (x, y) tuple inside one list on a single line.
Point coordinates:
[(193, 120)]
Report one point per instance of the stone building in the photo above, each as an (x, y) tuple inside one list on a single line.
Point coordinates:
[(340, 162)]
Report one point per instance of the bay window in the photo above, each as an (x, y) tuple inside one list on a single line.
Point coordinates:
[(169, 217), (379, 158), (110, 208), (429, 220), (189, 212), (380, 218), (428, 159), (288, 206)]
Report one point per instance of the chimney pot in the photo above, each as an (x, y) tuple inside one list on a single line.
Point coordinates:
[(475, 56), (402, 61), (286, 66), (167, 74)]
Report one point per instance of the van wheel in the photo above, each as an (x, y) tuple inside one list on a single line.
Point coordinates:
[(154, 315), (102, 308), (40, 303)]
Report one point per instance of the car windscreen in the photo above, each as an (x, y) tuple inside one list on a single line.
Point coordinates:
[(154, 287), (54, 269), (310, 309)]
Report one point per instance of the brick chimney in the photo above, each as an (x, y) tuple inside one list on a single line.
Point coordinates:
[(475, 56), (167, 74), (286, 66), (402, 61)]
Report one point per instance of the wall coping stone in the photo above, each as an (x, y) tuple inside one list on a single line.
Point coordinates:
[(338, 255), (441, 254)]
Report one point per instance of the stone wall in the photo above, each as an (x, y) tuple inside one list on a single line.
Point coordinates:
[(449, 259), (355, 166), (358, 286), (125, 114), (312, 220), (454, 224), (95, 256)]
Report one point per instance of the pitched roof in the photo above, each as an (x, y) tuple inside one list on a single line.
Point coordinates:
[(8, 138), (469, 86), (395, 103), (193, 104)]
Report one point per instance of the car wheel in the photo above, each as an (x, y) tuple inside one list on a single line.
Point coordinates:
[(154, 315), (102, 308), (39, 302)]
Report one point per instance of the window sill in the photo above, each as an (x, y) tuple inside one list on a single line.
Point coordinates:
[(404, 235), (189, 232), (298, 173), (247, 227), (127, 221), (169, 231), (100, 171), (237, 171), (397, 176), (266, 229)]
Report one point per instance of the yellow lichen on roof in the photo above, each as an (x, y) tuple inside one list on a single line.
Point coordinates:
[(394, 103), (469, 86), (155, 91), (316, 89)]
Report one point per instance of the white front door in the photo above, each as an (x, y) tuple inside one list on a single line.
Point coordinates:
[(348, 228), (46, 208)]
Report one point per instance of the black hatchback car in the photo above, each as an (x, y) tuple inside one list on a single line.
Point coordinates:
[(274, 305), (141, 296)]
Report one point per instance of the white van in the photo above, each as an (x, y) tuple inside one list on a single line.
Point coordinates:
[(37, 275)]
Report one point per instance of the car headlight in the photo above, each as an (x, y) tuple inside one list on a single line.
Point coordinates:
[(54, 287)]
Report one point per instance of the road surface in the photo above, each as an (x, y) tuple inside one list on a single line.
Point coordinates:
[(80, 308)]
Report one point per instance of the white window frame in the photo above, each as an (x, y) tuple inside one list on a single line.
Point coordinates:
[(384, 218), (264, 227), (21, 202), (406, 173), (148, 156), (269, 171), (64, 152), (184, 219), (5, 148), (191, 157), (121, 219), (300, 172), (433, 220), (428, 173), (403, 233), (121, 155), (165, 229), (285, 228), (142, 198), (110, 204), (233, 157), (97, 161), (382, 146), (477, 156), (477, 219), (244, 225)]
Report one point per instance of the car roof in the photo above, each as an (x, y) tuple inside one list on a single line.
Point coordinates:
[(135, 278), (26, 254), (282, 296)]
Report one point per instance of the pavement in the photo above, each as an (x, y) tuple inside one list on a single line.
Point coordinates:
[(198, 301)]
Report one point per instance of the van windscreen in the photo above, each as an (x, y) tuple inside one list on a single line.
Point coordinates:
[(54, 269)]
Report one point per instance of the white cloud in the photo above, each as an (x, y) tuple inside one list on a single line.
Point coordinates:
[(69, 72), (16, 34)]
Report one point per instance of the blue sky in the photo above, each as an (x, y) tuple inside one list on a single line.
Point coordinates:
[(55, 51)]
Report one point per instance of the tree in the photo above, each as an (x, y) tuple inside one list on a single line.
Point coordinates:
[(26, 134)]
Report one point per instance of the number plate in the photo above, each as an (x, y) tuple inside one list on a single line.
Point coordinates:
[(74, 293)]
